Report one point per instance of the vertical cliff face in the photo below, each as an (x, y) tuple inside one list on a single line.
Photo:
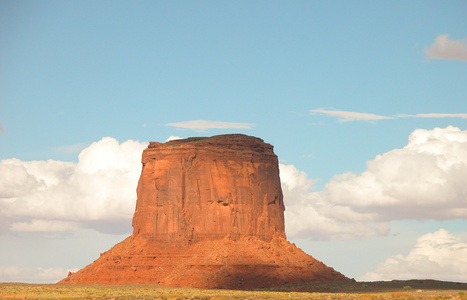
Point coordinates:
[(209, 214), (207, 188)]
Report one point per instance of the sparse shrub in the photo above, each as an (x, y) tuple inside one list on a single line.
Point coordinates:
[(407, 288), (461, 294)]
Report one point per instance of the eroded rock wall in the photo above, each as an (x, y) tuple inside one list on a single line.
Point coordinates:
[(207, 188)]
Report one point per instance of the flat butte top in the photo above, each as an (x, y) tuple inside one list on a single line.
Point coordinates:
[(226, 143)]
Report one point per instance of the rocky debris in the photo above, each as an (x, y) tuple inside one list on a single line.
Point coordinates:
[(209, 214)]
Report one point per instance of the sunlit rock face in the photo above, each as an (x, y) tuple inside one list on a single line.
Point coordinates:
[(209, 214), (207, 188)]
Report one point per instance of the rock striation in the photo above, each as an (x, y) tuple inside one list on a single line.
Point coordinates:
[(209, 214)]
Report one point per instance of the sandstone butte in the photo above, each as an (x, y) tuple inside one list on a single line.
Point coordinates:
[(209, 214)]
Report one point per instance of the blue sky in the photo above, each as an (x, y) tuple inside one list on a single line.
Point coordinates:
[(331, 84)]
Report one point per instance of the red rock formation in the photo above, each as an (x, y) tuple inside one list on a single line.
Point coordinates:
[(206, 188), (209, 214)]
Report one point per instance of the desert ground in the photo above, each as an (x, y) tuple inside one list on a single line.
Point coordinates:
[(412, 289)]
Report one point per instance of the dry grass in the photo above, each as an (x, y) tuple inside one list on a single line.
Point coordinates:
[(331, 290)]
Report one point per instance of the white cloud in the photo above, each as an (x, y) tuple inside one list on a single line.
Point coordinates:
[(435, 115), (18, 178), (43, 226), (70, 149), (309, 214), (173, 138), (424, 180), (203, 125), (440, 115), (347, 116), (439, 255), (33, 275), (100, 187), (445, 48)]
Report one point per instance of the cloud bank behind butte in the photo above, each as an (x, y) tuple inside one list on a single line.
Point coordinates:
[(421, 181)]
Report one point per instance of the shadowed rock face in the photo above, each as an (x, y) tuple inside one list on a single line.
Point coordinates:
[(207, 188), (209, 214)]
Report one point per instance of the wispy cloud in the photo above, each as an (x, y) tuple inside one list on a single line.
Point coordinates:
[(2, 129), (434, 115), (445, 48), (347, 116), (203, 125), (70, 149)]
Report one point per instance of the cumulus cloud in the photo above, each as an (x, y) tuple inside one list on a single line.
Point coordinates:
[(431, 258), (423, 180), (203, 125), (445, 48), (347, 116), (310, 214), (55, 195), (33, 275)]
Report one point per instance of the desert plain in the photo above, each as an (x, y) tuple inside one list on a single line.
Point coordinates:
[(396, 289)]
